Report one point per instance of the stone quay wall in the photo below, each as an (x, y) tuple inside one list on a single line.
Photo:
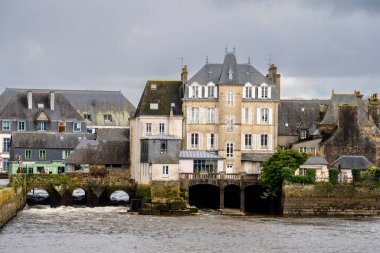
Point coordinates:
[(327, 200), (11, 201)]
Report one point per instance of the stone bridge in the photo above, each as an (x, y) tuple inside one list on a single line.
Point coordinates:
[(97, 187), (229, 190)]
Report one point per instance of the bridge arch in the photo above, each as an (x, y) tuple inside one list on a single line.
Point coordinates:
[(254, 201), (232, 196), (119, 197), (79, 196), (204, 196), (37, 196)]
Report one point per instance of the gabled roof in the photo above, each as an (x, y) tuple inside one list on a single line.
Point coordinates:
[(100, 152), (162, 93), (17, 107), (48, 140), (352, 162), (297, 114), (197, 154), (315, 160)]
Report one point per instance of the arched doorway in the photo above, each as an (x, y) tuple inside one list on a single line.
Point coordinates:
[(37, 196), (119, 198), (232, 196), (204, 196)]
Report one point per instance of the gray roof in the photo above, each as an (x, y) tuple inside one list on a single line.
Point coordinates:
[(294, 115), (161, 137), (48, 140), (164, 159), (352, 162), (255, 157), (315, 160), (112, 134), (197, 154), (100, 152)]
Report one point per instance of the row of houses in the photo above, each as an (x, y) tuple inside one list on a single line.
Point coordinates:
[(227, 118)]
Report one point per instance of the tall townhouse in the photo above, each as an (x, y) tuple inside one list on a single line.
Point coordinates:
[(230, 109)]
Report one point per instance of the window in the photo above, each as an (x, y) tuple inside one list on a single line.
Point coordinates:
[(230, 98), (163, 147), (65, 154), (264, 141), (21, 125), (209, 166), (153, 86), (76, 127), (87, 117), (264, 115), (264, 92), (5, 164), (165, 170), (230, 124), (40, 106), (194, 114), (248, 141), (194, 140), (42, 126), (61, 127), (248, 91), (6, 125), (230, 149), (303, 134), (230, 169), (107, 118), (302, 171), (212, 141), (30, 170), (28, 154), (162, 128), (6, 144), (42, 154), (211, 115), (210, 91), (246, 115), (148, 128), (313, 151), (153, 106), (196, 91), (303, 149)]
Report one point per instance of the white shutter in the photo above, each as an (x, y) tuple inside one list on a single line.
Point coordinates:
[(216, 145), (188, 115), (258, 141), (244, 93), (216, 116), (254, 142), (200, 115), (215, 92), (200, 91), (200, 141), (208, 141), (269, 92), (250, 114), (254, 92), (205, 115), (190, 89), (243, 115), (258, 92), (188, 141), (206, 91), (270, 116), (270, 142), (258, 115), (242, 142)]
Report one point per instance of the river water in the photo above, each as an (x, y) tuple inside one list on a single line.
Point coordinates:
[(112, 229)]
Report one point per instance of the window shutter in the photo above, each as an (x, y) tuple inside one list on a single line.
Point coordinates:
[(215, 92), (254, 142), (270, 116), (200, 91), (244, 93), (206, 91), (269, 92), (188, 115), (188, 141), (190, 89), (258, 141), (242, 142), (200, 115), (208, 142), (216, 142), (200, 142), (258, 115), (216, 115), (205, 115), (250, 115), (270, 142), (258, 92), (254, 92), (243, 115)]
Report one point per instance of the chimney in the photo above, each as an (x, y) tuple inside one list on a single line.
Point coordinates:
[(184, 74), (276, 78), (29, 98), (358, 95), (52, 100)]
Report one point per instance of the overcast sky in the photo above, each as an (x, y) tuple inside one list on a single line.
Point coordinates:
[(118, 45)]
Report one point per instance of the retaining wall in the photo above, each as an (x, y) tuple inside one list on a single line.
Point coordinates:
[(11, 201)]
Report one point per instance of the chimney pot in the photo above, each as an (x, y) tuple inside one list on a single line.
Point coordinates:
[(29, 97), (52, 100)]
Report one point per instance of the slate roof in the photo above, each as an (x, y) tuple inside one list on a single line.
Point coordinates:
[(100, 152), (48, 140), (255, 157), (112, 134), (291, 117), (315, 160), (197, 154), (17, 107), (164, 159), (165, 93), (352, 162)]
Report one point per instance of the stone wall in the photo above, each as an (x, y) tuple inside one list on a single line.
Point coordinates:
[(11, 201), (327, 200)]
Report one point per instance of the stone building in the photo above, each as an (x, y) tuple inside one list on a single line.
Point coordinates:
[(156, 133), (230, 109)]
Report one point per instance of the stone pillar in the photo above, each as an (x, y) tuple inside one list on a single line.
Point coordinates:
[(242, 199), (221, 198)]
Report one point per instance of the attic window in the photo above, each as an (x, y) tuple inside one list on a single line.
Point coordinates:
[(153, 86), (107, 118), (87, 117), (303, 134), (40, 106), (154, 106)]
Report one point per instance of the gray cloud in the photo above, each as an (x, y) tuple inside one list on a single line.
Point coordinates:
[(119, 44)]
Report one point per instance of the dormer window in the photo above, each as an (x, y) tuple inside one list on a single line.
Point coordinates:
[(40, 106), (303, 134), (87, 117), (248, 91), (107, 118), (153, 86), (42, 126), (264, 91), (210, 90), (154, 106), (230, 73)]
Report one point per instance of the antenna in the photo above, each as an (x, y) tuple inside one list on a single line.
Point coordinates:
[(226, 50), (233, 50), (206, 59), (270, 57), (249, 59)]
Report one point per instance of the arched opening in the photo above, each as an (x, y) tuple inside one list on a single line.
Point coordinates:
[(38, 196), (79, 197), (232, 196), (204, 196), (119, 198), (256, 203)]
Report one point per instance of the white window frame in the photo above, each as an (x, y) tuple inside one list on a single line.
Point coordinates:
[(194, 140), (230, 98), (264, 114), (107, 118), (161, 128), (194, 114), (40, 156), (264, 92), (210, 115), (22, 122), (148, 128), (303, 149), (230, 150), (264, 141), (229, 167), (303, 134), (6, 125), (44, 124), (230, 123), (77, 127), (165, 171), (248, 141), (66, 153), (6, 145)]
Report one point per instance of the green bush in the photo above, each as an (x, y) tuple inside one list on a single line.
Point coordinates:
[(376, 176), (309, 178), (356, 177), (333, 176), (310, 174)]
